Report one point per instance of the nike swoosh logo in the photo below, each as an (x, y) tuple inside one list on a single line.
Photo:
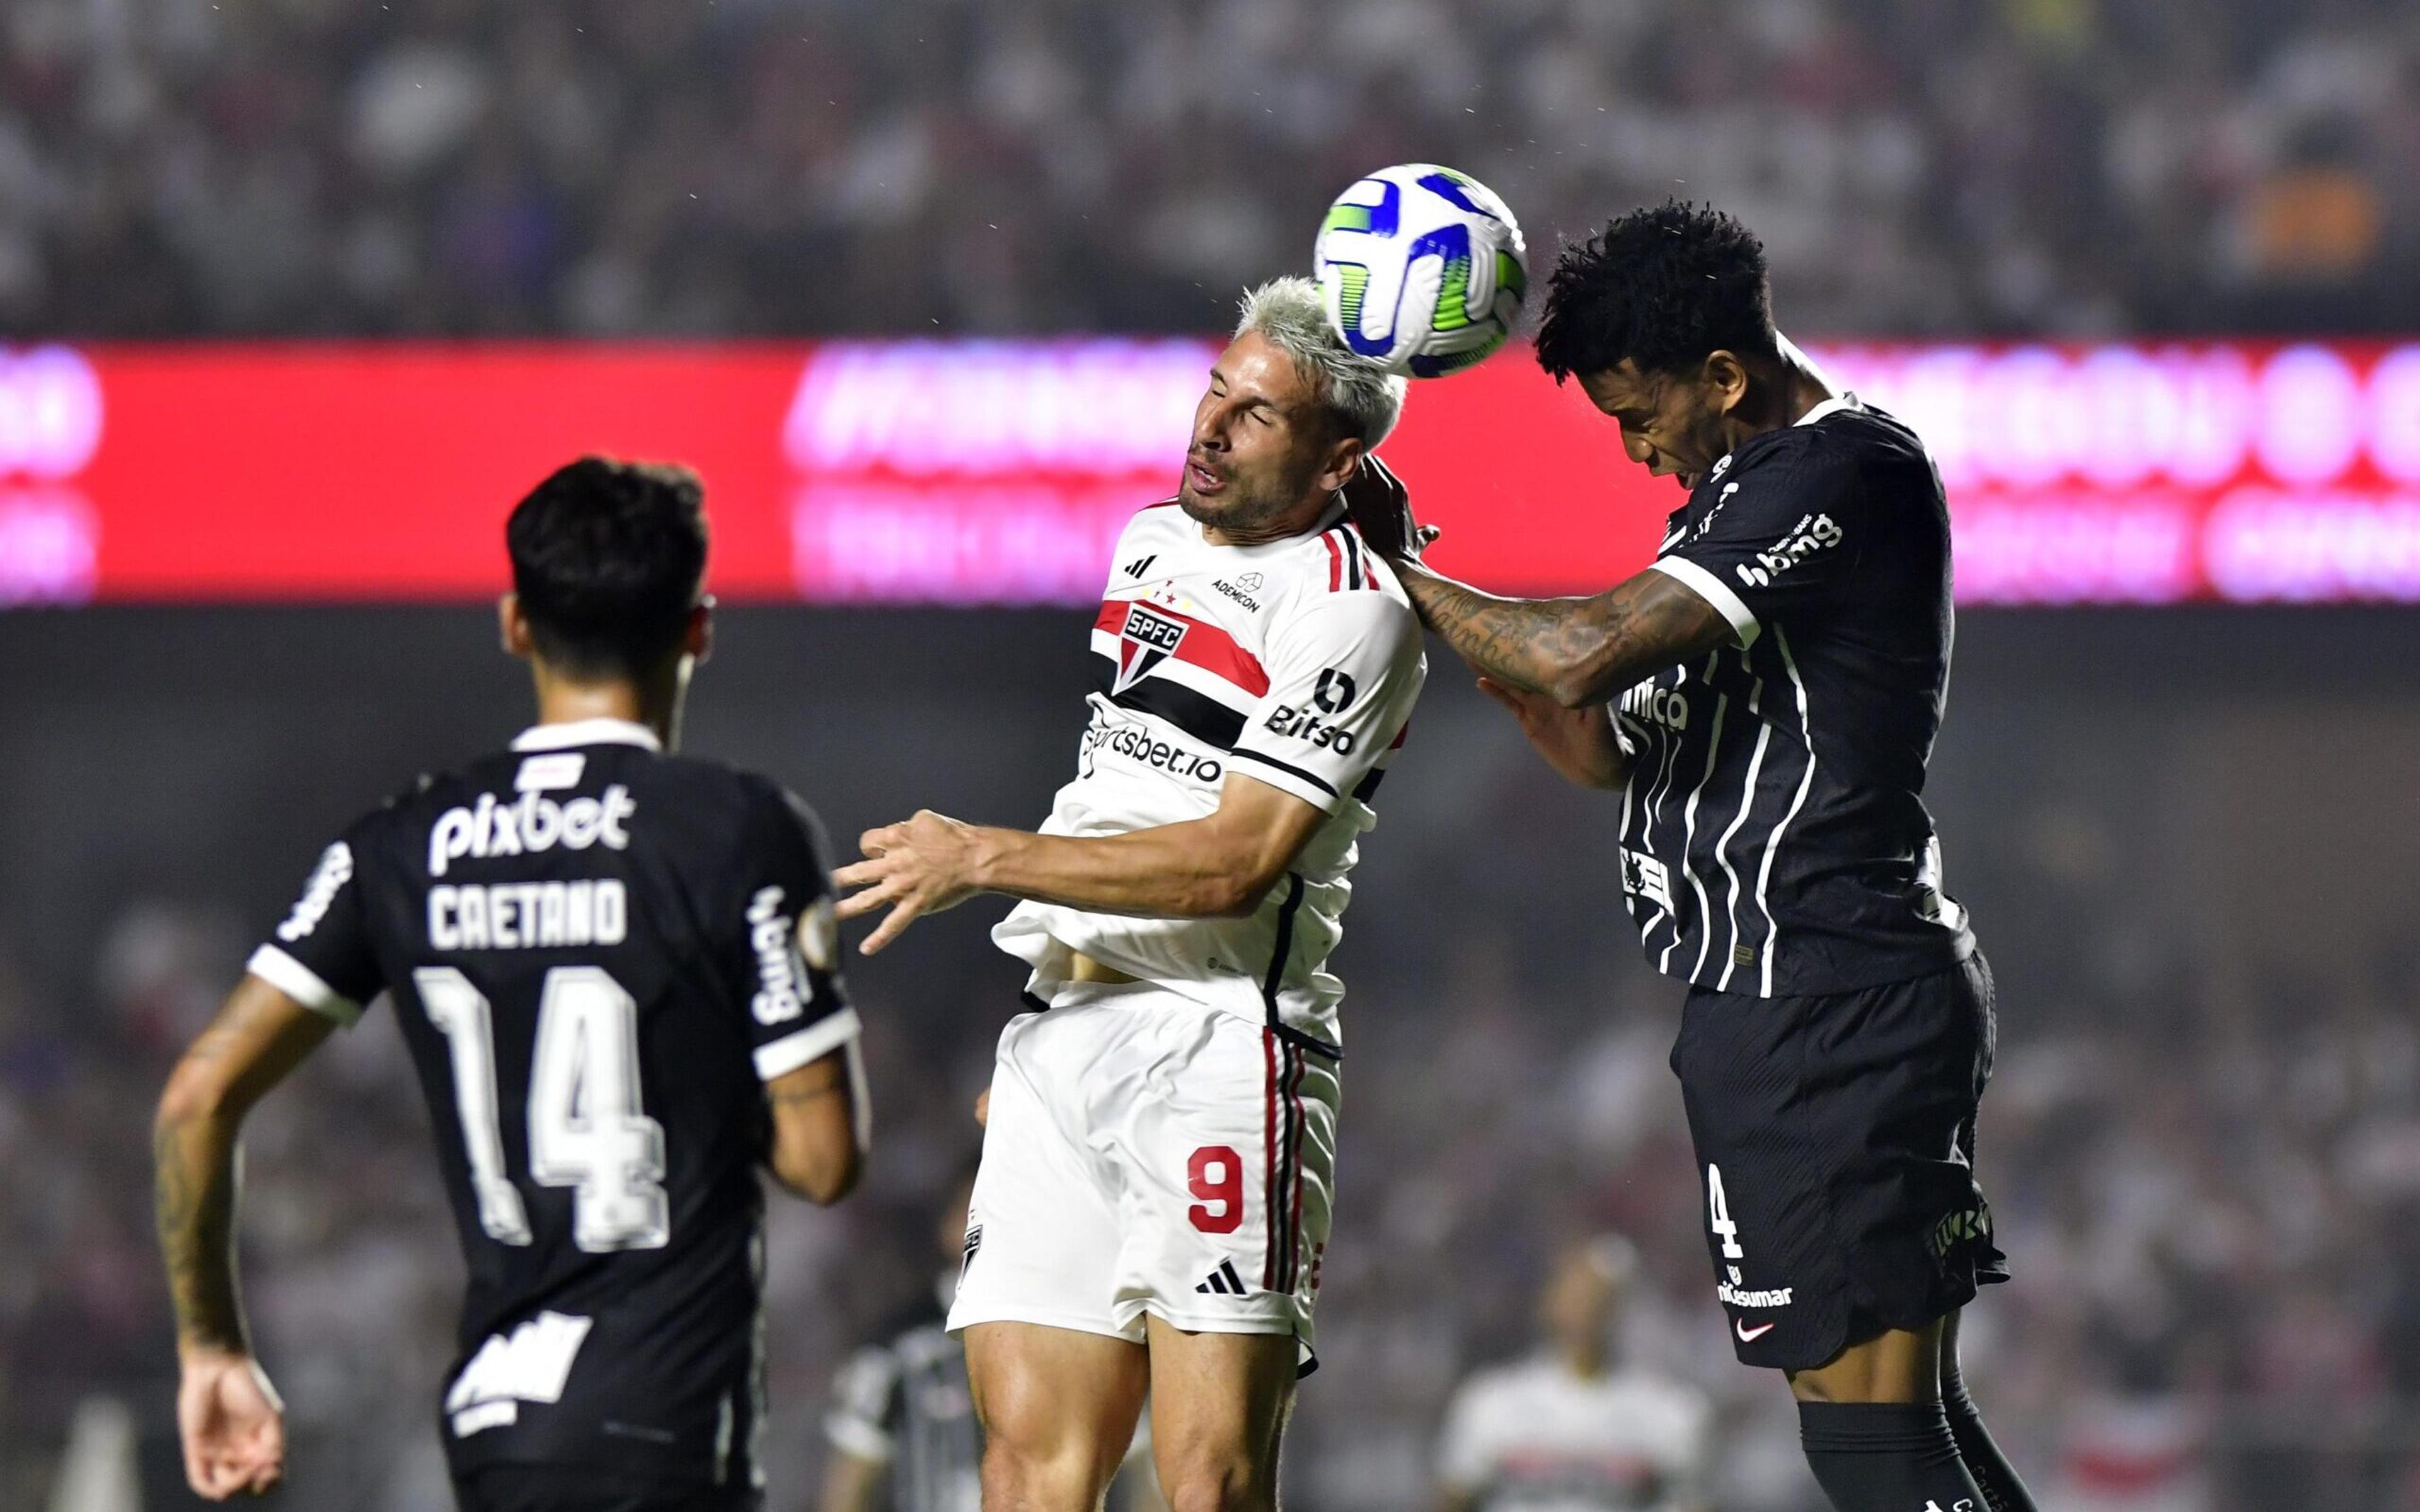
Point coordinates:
[(1749, 1335)]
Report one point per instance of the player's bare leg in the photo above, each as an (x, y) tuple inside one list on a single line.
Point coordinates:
[(1218, 1405), (1058, 1408), (1874, 1432), (1899, 1366)]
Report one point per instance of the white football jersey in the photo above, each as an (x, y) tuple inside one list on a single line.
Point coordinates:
[(1296, 664), (1533, 1437)]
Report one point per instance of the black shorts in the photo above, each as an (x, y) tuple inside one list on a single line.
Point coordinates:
[(1836, 1136), (509, 1487)]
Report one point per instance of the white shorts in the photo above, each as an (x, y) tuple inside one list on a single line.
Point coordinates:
[(1145, 1153)]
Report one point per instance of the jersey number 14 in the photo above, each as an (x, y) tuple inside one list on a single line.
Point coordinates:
[(585, 1130)]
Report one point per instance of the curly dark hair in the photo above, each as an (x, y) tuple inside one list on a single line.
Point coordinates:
[(608, 558), (1662, 286)]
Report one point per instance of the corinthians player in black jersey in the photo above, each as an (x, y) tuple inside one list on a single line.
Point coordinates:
[(613, 969), (1765, 699)]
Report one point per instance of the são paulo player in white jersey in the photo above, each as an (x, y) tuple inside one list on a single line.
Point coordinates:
[(1156, 1179)]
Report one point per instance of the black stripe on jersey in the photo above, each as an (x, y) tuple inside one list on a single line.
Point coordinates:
[(1368, 787), (1318, 782), (1286, 911), (1290, 1261), (1311, 1042), (1204, 719), (1279, 1194), (1356, 574)]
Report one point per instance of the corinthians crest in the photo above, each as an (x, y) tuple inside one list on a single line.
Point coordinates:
[(1143, 642)]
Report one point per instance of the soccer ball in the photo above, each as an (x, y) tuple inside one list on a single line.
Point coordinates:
[(1423, 269)]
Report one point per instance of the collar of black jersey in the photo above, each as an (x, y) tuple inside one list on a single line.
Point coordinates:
[(573, 732)]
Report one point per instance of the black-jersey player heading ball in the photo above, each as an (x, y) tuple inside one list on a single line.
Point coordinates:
[(1764, 700), (614, 969)]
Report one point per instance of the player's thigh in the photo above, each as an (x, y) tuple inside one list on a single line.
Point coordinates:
[(1218, 1405), (1840, 1208), (1899, 1364), (1227, 1155), (1056, 1395), (1043, 1225)]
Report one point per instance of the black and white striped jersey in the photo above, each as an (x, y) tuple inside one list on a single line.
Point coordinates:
[(905, 1404), (1774, 835), (597, 954)]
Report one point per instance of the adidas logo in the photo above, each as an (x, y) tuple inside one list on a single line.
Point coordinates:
[(1135, 569), (1224, 1281)]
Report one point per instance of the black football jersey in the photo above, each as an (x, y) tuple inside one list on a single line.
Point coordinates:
[(1775, 839), (905, 1404), (598, 954)]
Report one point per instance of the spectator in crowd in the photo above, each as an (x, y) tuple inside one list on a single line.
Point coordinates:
[(1573, 1428), (903, 1422), (902, 1426), (617, 167)]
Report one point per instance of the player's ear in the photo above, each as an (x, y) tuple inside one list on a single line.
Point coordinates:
[(1726, 376), (512, 626), (698, 638), (1344, 460)]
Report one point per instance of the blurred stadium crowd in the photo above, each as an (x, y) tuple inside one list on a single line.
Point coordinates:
[(2218, 1245), (2204, 1158), (746, 166)]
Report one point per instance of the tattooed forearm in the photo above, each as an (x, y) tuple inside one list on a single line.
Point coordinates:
[(258, 1037), (1577, 651), (195, 1186)]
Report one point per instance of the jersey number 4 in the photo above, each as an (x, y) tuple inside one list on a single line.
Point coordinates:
[(1718, 1216), (585, 1130)]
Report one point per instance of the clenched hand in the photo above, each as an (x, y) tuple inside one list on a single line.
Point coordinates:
[(231, 1422)]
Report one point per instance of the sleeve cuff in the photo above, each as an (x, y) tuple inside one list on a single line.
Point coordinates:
[(1286, 777), (814, 1042), (302, 984), (859, 1439), (1714, 590)]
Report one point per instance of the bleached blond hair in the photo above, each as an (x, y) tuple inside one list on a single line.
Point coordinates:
[(1288, 312)]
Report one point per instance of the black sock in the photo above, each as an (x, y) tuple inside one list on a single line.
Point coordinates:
[(2002, 1491), (1885, 1457)]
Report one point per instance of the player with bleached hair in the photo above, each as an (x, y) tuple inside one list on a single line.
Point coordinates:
[(1155, 1189)]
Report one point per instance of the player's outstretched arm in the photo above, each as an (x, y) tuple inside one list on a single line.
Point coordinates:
[(228, 1416), (1213, 867), (1575, 651)]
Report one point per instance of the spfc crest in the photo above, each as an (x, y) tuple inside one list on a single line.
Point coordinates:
[(1144, 641)]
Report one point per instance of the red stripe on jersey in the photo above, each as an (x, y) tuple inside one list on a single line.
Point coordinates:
[(1302, 1128), (1269, 1177), (1204, 645), (1335, 563)]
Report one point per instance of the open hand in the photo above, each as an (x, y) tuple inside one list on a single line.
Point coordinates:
[(919, 867), (231, 1424), (1578, 743), (1381, 507)]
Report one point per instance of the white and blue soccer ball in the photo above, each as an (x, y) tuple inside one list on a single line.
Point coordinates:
[(1423, 269)]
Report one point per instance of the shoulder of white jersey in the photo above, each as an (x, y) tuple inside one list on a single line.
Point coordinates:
[(1336, 560), (1153, 523)]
